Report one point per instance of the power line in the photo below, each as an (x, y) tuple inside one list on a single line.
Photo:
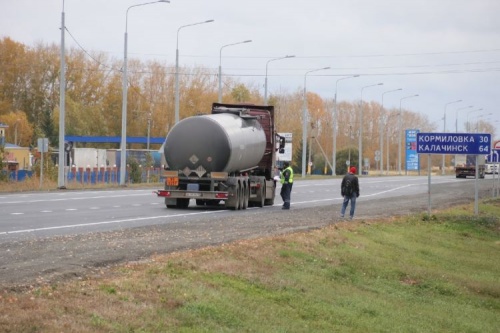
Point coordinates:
[(88, 54), (357, 56)]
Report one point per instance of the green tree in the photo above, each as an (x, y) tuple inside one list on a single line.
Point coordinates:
[(49, 168), (342, 156), (135, 171), (240, 93)]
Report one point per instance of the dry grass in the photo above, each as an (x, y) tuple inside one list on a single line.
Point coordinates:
[(353, 277)]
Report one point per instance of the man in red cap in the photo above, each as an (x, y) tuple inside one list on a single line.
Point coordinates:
[(349, 189)]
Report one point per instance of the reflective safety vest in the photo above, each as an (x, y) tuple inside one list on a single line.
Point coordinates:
[(290, 179)]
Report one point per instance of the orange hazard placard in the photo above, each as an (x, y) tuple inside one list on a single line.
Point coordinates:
[(173, 181)]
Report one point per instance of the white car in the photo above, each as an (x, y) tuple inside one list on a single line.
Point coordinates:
[(491, 168)]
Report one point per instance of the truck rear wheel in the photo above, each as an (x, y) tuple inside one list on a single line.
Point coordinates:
[(262, 196), (246, 196), (170, 203), (269, 202), (236, 200), (182, 203), (242, 196)]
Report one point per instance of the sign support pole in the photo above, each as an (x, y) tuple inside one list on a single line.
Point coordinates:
[(476, 188), (497, 169), (41, 169), (429, 167)]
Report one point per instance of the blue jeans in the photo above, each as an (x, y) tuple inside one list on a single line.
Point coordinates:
[(352, 198), (286, 193)]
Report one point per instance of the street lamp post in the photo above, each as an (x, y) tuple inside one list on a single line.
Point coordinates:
[(400, 125), (220, 65), (123, 160), (468, 113), (444, 131), (456, 116), (381, 124), (350, 143), (61, 183), (334, 125), (177, 67), (265, 81), (149, 131), (388, 141), (360, 142), (304, 120)]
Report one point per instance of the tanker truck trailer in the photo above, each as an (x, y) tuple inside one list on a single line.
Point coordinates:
[(227, 156)]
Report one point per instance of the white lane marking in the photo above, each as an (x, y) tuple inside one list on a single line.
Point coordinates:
[(340, 198), (362, 181), (71, 209), (107, 222), (46, 211), (68, 199), (16, 213), (391, 190), (94, 208)]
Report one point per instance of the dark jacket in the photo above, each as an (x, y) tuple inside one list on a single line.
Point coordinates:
[(354, 182)]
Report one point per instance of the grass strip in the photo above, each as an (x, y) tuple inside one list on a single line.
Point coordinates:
[(419, 273)]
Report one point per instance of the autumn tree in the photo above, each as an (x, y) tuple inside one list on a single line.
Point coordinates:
[(29, 101), (20, 130)]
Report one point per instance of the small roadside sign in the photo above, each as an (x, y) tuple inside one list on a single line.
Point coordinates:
[(43, 145), (454, 143)]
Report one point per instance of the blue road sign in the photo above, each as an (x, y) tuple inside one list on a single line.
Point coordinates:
[(454, 143), (412, 158), (493, 157)]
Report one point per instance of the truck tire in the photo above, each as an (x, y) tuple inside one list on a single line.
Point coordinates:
[(262, 196), (170, 203), (242, 196), (270, 202), (237, 199), (182, 203), (200, 202), (246, 196)]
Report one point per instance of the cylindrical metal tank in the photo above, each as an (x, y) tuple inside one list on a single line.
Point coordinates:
[(215, 142)]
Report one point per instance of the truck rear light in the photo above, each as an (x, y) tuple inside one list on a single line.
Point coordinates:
[(221, 195), (163, 193)]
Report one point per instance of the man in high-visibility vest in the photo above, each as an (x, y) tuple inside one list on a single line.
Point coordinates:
[(286, 180)]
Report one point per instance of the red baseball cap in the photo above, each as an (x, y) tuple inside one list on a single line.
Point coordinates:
[(352, 169)]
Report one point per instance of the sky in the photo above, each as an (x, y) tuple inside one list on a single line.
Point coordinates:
[(442, 50)]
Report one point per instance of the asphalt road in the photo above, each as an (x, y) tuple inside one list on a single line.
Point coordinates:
[(76, 212), (45, 236)]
